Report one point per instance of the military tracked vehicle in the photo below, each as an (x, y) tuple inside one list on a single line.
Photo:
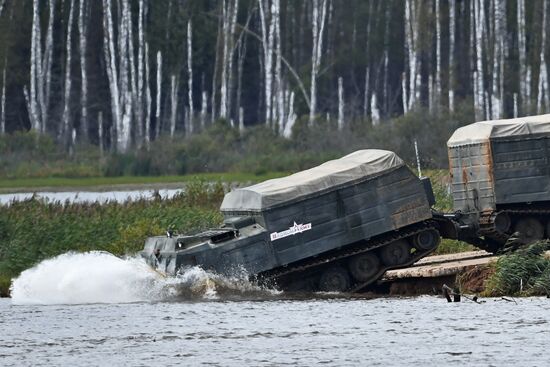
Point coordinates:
[(500, 181), (335, 227)]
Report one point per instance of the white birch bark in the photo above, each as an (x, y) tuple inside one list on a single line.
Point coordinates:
[(280, 88), (340, 103), (543, 74), (498, 60), (36, 54), (45, 69), (3, 103), (374, 110), (173, 104), (2, 3), (318, 26), (452, 30), (291, 118), (524, 86), (366, 100), (437, 91), (140, 102), (67, 125), (411, 32), (229, 14), (268, 40), (82, 30), (110, 66), (204, 108), (148, 99), (479, 16), (241, 119), (100, 131), (190, 76), (159, 88)]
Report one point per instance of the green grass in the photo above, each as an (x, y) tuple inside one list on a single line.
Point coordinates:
[(12, 185)]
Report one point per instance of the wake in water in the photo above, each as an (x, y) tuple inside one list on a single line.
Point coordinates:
[(100, 277)]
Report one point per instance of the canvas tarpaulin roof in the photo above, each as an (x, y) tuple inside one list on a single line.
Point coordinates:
[(483, 131), (353, 167)]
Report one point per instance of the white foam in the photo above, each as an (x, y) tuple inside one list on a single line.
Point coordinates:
[(100, 277)]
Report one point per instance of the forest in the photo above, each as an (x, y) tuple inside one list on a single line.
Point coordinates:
[(120, 75)]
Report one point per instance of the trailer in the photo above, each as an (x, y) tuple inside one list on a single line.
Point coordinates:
[(335, 227), (500, 180)]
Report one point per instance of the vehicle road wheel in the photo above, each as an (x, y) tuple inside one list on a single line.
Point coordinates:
[(395, 253), (530, 230), (364, 266), (426, 240), (334, 279)]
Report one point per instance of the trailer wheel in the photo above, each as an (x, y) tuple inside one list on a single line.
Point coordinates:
[(530, 230), (396, 253), (364, 266), (334, 279), (426, 240)]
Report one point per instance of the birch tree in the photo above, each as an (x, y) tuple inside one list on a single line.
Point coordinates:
[(67, 128), (229, 16), (437, 92), (82, 30), (340, 103), (543, 74), (190, 75), (40, 70), (3, 102), (173, 104), (411, 38), (524, 70), (159, 91), (318, 26), (452, 30)]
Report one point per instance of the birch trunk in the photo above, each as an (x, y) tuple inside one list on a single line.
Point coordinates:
[(173, 104), (67, 125), (148, 99), (452, 30), (83, 27), (204, 108), (340, 103), (159, 86), (374, 110), (111, 68), (46, 70), (3, 102), (479, 16), (543, 74), (524, 86), (140, 102), (318, 25), (36, 56), (100, 131), (190, 75), (437, 91)]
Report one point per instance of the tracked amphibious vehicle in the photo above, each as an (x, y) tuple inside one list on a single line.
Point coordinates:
[(335, 227)]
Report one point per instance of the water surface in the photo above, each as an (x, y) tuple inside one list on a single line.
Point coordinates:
[(423, 331)]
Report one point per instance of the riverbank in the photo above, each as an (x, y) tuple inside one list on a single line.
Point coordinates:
[(103, 184)]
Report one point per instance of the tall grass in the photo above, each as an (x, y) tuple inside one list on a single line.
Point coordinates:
[(525, 272), (33, 230)]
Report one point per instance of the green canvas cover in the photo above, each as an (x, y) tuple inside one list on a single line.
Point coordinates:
[(357, 166)]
